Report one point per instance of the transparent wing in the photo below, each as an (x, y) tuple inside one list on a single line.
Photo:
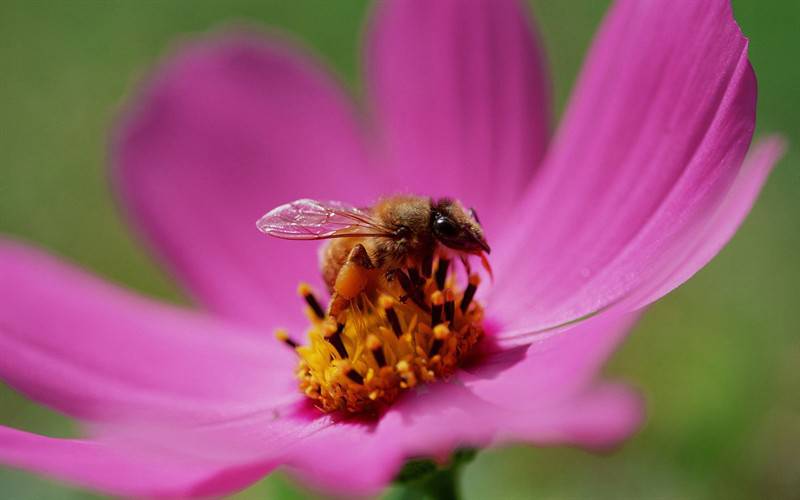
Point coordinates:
[(316, 220)]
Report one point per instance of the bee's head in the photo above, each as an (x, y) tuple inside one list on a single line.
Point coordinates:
[(457, 228)]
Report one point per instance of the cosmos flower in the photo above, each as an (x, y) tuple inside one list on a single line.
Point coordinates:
[(646, 179)]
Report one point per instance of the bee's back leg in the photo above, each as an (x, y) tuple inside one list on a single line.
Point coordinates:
[(351, 279)]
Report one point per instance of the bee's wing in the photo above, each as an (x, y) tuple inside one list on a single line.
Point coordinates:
[(316, 220)]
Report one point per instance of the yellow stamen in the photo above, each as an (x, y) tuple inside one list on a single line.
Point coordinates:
[(283, 336), (383, 344), (314, 311)]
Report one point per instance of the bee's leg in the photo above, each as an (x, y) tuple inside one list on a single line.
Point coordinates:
[(351, 280), (411, 289)]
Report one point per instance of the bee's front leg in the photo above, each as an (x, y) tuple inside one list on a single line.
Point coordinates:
[(351, 280), (411, 284), (392, 275)]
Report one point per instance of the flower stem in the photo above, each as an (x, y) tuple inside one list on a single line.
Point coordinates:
[(425, 479)]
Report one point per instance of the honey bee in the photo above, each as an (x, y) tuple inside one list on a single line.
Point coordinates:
[(395, 240)]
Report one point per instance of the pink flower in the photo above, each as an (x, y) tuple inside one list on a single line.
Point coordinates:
[(645, 180)]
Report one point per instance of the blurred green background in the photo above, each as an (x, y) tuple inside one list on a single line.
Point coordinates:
[(718, 360)]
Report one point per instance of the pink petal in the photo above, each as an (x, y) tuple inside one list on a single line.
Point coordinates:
[(209, 405), (600, 418), (651, 144), (725, 221), (97, 352), (227, 129), (461, 99), (552, 369), (541, 395), (108, 468), (357, 458)]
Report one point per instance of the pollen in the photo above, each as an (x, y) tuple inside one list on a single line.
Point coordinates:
[(386, 341)]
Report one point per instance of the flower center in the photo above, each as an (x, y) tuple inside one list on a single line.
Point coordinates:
[(376, 348)]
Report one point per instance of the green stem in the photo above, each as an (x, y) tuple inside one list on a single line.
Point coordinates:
[(425, 479)]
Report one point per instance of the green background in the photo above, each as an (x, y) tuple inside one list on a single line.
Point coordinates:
[(718, 360)]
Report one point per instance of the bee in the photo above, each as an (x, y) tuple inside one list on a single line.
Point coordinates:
[(396, 240)]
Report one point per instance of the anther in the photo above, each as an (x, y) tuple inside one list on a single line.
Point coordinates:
[(334, 336), (413, 273), (283, 336), (437, 301), (387, 303), (405, 283), (353, 375), (449, 306), (469, 293), (427, 266), (441, 273), (374, 345), (440, 333), (305, 291)]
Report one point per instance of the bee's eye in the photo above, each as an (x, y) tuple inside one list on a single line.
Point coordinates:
[(445, 227), (474, 215)]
